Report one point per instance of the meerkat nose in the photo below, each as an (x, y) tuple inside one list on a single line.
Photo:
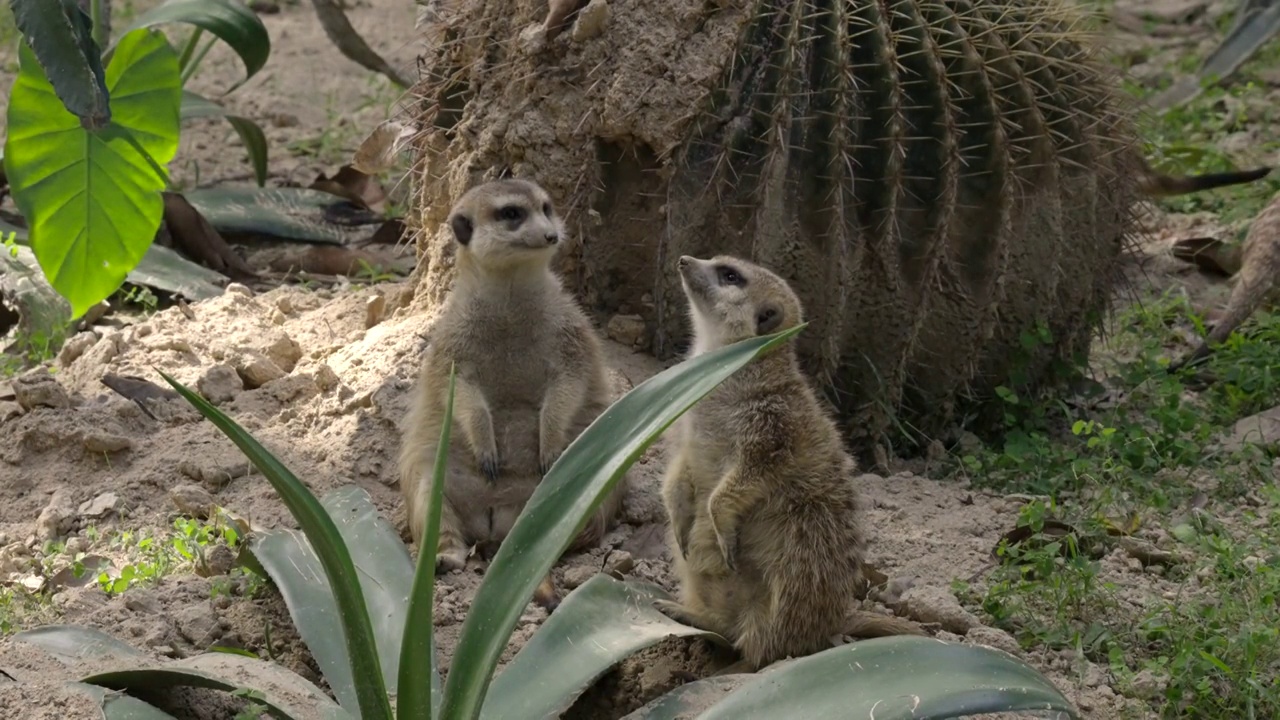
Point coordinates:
[(684, 261), (553, 238)]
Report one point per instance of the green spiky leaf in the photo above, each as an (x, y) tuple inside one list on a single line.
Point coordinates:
[(597, 626), (92, 198), (327, 541), (419, 649), (231, 21), (574, 487), (255, 141), (894, 678)]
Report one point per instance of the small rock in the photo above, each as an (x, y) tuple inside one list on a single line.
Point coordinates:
[(994, 637), (55, 519), (239, 289), (621, 562), (192, 500), (375, 309), (628, 330), (199, 625), (284, 351), (1147, 685), (219, 384), (39, 389), (102, 505), (326, 379), (256, 369), (77, 545), (284, 304), (1262, 430), (75, 347), (591, 21), (576, 576), (1252, 562), (932, 604), (94, 314), (101, 442), (219, 560), (15, 558)]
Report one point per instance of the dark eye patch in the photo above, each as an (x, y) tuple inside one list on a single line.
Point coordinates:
[(729, 276), (547, 209), (511, 213)]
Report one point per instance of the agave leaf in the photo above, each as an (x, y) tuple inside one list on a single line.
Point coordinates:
[(286, 213), (285, 693), (893, 678), (335, 558), (690, 699), (74, 644), (599, 624), (87, 242), (386, 572), (233, 22), (255, 141), (419, 648), (118, 706), (1257, 23), (61, 36), (565, 499)]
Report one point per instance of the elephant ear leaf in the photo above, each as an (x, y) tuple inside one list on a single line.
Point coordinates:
[(60, 35)]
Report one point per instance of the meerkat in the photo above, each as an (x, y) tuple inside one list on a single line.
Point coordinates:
[(1254, 285), (530, 377), (1157, 184), (764, 514)]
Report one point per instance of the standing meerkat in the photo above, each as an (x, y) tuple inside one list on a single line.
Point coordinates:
[(764, 513), (530, 376)]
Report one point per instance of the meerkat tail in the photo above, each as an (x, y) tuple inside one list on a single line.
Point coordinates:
[(1160, 185), (865, 625)]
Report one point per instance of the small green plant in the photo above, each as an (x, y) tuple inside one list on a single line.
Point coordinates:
[(390, 652)]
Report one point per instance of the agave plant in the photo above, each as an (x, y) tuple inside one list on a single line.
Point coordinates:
[(385, 657)]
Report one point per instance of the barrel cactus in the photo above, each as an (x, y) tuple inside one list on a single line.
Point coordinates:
[(948, 184)]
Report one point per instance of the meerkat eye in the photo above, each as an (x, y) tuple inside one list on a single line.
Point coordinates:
[(511, 213), (546, 209), (729, 276)]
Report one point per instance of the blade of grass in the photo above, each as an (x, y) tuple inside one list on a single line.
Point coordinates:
[(563, 501), (328, 545), (418, 648)]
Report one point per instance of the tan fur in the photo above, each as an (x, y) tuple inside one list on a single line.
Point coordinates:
[(1254, 285), (530, 376), (764, 513), (1157, 184)]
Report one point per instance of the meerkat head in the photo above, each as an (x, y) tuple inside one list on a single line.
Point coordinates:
[(731, 300), (506, 223)]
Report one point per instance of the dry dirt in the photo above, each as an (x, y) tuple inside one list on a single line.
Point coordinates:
[(326, 391)]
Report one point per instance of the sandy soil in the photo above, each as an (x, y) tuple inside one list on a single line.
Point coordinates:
[(324, 385)]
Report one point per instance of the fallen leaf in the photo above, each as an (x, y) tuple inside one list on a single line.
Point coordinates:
[(360, 188), (192, 234), (139, 390), (90, 567), (378, 152), (1209, 254)]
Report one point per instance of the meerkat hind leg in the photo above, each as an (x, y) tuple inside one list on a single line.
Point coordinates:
[(451, 549)]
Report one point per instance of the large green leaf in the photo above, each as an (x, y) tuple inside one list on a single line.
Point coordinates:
[(255, 141), (565, 499), (92, 199), (287, 213), (285, 693), (893, 678), (118, 706), (74, 644), (597, 626), (335, 558), (386, 574), (61, 36), (419, 648), (232, 21)]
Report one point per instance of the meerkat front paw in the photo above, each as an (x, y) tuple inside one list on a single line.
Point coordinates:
[(728, 545), (451, 558), (680, 613), (489, 464), (548, 458)]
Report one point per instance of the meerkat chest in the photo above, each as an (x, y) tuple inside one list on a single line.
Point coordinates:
[(511, 351)]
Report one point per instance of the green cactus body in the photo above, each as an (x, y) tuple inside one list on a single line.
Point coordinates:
[(942, 181)]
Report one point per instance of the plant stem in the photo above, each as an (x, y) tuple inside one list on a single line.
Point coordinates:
[(190, 70), (190, 48)]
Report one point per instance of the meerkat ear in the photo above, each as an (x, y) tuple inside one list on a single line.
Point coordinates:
[(768, 319), (462, 229)]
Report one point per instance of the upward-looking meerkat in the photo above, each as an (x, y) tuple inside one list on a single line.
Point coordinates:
[(764, 513), (530, 375)]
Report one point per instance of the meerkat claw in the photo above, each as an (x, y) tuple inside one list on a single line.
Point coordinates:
[(489, 466)]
